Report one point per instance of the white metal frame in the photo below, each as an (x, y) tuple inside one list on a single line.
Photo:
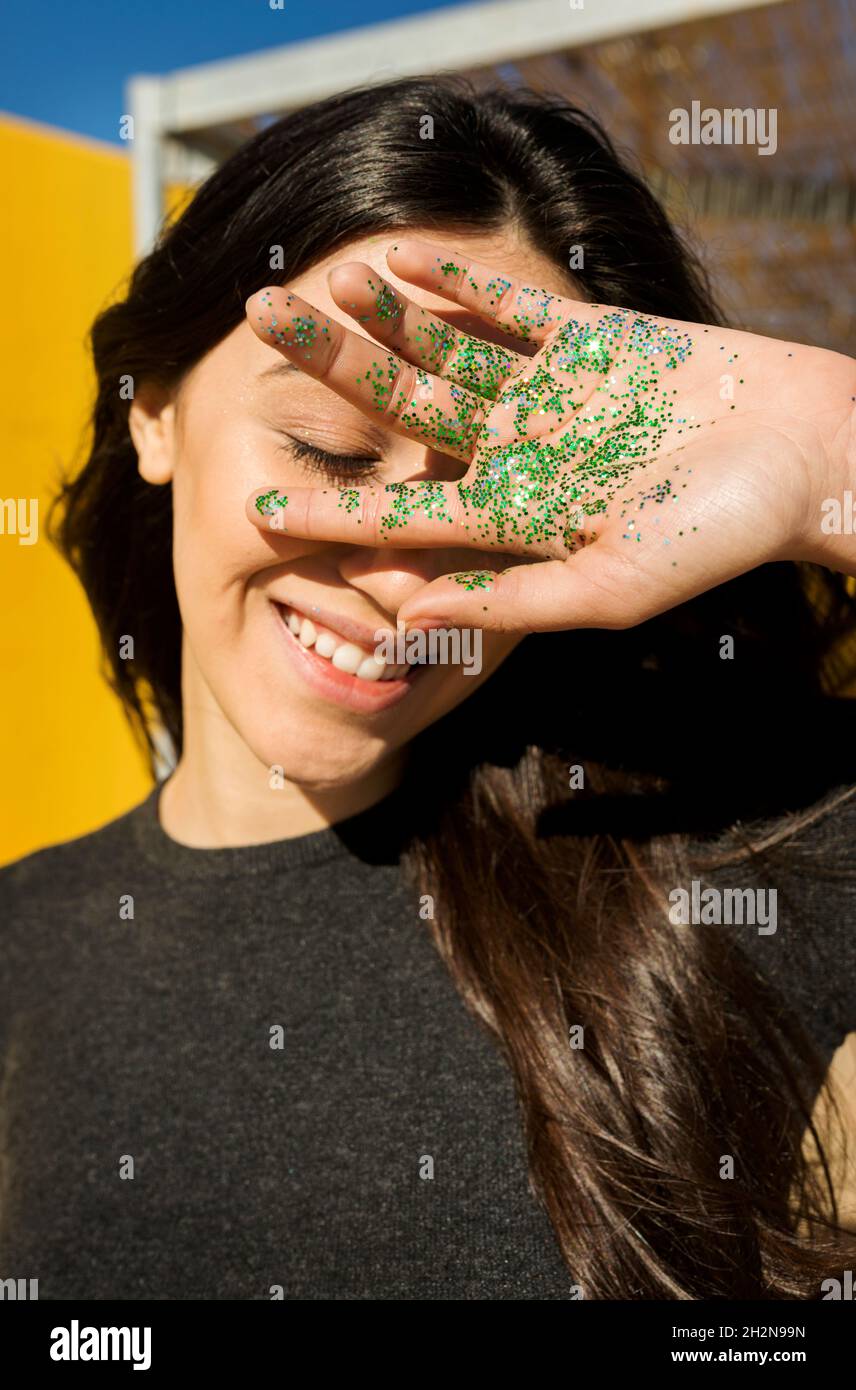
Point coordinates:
[(168, 109)]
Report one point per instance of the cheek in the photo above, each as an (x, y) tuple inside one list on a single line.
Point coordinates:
[(215, 546)]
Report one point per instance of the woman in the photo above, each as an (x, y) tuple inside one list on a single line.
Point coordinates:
[(380, 994)]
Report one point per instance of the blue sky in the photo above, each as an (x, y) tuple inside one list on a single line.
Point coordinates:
[(66, 61)]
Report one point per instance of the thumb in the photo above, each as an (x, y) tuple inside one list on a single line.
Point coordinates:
[(592, 588)]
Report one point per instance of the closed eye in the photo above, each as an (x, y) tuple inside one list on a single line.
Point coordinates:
[(340, 468)]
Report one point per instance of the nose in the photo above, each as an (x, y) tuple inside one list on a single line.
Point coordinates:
[(388, 576)]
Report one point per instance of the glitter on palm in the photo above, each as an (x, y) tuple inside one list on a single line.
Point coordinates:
[(601, 385)]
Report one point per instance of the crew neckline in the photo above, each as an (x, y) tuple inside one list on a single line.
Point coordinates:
[(375, 836)]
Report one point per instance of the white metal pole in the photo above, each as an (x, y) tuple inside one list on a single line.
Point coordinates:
[(146, 160)]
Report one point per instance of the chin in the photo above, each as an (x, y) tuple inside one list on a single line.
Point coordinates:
[(319, 763)]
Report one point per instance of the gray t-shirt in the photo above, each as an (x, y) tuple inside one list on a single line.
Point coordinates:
[(228, 1071)]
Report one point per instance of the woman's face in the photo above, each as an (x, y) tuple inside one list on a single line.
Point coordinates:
[(279, 633)]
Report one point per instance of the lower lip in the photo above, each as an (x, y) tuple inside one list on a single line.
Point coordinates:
[(365, 697)]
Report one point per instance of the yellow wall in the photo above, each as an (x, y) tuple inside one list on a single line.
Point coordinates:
[(69, 762)]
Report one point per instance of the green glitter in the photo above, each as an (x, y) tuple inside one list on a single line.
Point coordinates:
[(467, 361), (569, 430), (270, 502), (535, 489), (387, 304), (302, 331), (497, 288), (479, 366), (452, 431), (425, 497), (474, 579)]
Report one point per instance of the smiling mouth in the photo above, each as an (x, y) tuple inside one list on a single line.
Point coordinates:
[(345, 656)]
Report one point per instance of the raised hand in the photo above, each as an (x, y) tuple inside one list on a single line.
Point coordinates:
[(627, 464)]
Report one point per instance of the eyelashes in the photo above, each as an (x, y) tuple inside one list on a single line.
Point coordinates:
[(339, 468)]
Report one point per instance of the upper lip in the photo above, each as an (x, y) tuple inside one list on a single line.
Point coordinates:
[(348, 628)]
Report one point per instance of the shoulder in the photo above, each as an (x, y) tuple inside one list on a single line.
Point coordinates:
[(48, 902), (61, 872)]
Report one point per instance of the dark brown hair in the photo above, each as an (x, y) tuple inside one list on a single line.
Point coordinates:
[(550, 903)]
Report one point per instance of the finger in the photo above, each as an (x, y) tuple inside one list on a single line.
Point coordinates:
[(409, 400), (533, 315), (418, 335), (495, 508), (544, 393), (596, 587), (425, 514), (579, 343)]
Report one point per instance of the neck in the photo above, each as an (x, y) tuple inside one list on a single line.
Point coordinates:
[(221, 795)]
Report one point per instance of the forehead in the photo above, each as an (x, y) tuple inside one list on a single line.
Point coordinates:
[(501, 251), (236, 366)]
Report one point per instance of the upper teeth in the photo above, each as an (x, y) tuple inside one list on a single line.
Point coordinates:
[(345, 656)]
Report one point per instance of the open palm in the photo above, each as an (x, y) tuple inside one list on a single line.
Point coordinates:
[(628, 461)]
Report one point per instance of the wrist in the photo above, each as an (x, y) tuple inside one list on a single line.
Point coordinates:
[(829, 531)]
